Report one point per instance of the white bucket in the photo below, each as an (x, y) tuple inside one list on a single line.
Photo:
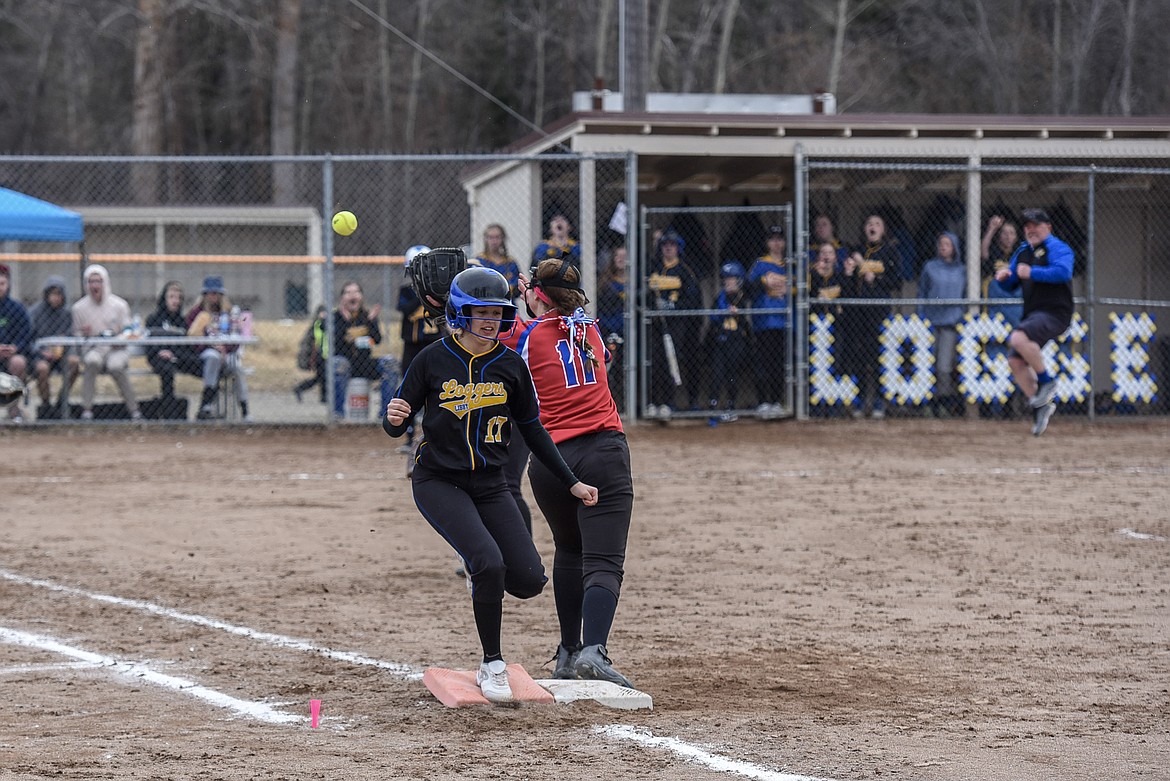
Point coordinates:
[(357, 399)]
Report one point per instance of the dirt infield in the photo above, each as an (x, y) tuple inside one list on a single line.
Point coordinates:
[(859, 600)]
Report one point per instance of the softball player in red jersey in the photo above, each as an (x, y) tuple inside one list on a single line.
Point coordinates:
[(472, 391), (566, 353)]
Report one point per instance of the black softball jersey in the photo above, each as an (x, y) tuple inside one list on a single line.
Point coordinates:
[(471, 403)]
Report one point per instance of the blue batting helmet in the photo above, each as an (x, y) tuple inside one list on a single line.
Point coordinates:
[(415, 251), (478, 286), (732, 268)]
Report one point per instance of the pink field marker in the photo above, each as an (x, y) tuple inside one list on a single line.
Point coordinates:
[(314, 712)]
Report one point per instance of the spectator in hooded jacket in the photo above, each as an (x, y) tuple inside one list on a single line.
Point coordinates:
[(14, 334), (101, 313), (944, 277), (51, 317), (169, 360)]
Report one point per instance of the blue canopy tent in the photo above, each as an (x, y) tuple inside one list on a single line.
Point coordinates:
[(24, 218)]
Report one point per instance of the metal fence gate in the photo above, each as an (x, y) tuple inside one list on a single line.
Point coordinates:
[(715, 314)]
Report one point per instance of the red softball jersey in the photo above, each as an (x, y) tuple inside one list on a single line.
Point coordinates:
[(573, 393)]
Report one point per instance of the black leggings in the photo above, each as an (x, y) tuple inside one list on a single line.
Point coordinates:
[(590, 541), (476, 515)]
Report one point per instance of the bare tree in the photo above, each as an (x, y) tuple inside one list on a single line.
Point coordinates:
[(659, 41), (1125, 89), (146, 135), (727, 23), (842, 22), (1084, 38), (284, 98), (601, 45), (385, 75)]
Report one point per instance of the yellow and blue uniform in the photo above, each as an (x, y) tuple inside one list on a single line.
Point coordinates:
[(471, 403)]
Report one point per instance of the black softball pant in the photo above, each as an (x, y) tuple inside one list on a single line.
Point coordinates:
[(590, 541), (476, 514)]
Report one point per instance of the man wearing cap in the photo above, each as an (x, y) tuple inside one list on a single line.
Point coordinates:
[(14, 335), (101, 313), (1042, 266)]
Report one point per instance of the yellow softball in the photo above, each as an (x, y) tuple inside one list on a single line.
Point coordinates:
[(344, 223)]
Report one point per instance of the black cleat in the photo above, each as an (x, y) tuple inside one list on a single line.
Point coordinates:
[(565, 657), (592, 664)]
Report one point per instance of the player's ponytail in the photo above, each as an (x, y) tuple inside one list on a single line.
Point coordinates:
[(559, 282)]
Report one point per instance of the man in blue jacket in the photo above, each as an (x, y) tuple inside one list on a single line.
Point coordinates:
[(1043, 267)]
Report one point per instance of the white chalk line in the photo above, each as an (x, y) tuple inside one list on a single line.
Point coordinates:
[(693, 753), (403, 671), (22, 669), (763, 474), (139, 672), (1136, 535)]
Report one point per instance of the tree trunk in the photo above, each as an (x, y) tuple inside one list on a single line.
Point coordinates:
[(36, 84), (656, 45), (1086, 36), (420, 38), (541, 59), (728, 23), (146, 130), (698, 44), (284, 99), (385, 79), (601, 45), (838, 45), (1125, 90)]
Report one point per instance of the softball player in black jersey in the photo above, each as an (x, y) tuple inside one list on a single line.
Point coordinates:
[(473, 391)]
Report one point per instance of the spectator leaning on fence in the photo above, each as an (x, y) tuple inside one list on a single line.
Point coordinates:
[(870, 272), (944, 276), (1042, 267), (824, 233), (824, 285), (204, 320), (51, 317), (101, 313), (14, 335)]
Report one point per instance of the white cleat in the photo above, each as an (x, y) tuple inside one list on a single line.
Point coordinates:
[(493, 682)]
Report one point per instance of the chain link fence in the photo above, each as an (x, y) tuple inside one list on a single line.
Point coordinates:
[(715, 312), (906, 319), (889, 263), (250, 238)]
